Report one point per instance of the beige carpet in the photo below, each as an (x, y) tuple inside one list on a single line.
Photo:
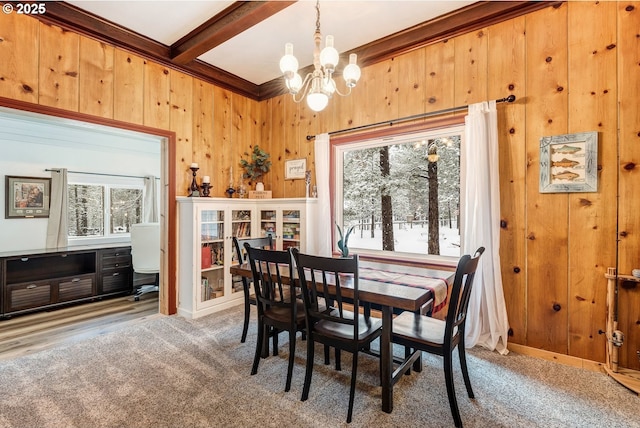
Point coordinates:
[(172, 372)]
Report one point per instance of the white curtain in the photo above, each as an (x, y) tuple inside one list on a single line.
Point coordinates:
[(150, 203), (57, 225), (487, 323), (324, 226)]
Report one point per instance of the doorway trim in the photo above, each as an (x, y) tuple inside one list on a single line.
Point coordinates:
[(168, 288)]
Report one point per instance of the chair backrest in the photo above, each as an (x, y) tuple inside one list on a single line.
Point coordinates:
[(273, 278), (238, 244), (145, 247), (326, 276), (460, 294)]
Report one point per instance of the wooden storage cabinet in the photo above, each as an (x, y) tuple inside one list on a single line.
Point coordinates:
[(77, 287), (28, 295), (116, 270), (30, 282), (43, 280)]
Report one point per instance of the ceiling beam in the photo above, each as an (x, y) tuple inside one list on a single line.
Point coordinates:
[(70, 17), (235, 19)]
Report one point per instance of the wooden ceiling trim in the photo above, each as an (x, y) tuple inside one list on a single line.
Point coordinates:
[(235, 19), (470, 18)]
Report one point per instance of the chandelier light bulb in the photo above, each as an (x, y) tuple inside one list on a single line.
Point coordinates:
[(329, 86), (288, 63), (329, 56), (351, 72), (317, 101), (294, 84)]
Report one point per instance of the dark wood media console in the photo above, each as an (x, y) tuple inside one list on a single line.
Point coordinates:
[(36, 280)]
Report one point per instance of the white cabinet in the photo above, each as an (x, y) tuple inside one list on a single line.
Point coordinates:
[(206, 227), (289, 222)]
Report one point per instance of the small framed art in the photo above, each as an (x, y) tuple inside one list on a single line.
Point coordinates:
[(27, 197), (569, 163), (295, 169)]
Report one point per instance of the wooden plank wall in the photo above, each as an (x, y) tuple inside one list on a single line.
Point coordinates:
[(47, 65), (573, 68), (561, 64), (628, 89)]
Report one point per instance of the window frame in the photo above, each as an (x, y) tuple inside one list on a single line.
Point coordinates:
[(428, 130), (107, 184)]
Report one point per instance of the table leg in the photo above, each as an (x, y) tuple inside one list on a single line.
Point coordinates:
[(386, 355)]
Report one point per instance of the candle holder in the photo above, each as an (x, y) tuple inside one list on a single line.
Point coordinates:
[(194, 189), (230, 191), (242, 191), (206, 189)]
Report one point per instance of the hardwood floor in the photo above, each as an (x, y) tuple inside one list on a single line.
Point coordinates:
[(27, 334)]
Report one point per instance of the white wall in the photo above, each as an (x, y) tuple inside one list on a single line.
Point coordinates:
[(30, 144)]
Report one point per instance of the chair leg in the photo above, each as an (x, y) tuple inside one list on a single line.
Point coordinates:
[(451, 393), (261, 334), (352, 392), (463, 365), (245, 325), (309, 369), (407, 354), (292, 356), (338, 362), (276, 333), (327, 350)]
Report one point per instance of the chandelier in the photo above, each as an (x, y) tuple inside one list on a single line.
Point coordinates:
[(318, 86)]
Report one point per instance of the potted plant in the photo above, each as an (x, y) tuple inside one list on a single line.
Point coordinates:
[(257, 167), (344, 240)]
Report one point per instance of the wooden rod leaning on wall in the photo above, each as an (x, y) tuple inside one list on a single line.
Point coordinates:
[(509, 99), (99, 173)]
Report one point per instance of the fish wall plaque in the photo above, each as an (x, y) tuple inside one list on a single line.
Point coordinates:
[(569, 163)]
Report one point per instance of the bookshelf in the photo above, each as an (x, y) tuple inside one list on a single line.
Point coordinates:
[(206, 228)]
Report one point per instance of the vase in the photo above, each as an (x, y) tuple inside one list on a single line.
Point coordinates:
[(259, 186)]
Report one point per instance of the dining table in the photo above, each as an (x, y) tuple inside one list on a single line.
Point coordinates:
[(390, 288)]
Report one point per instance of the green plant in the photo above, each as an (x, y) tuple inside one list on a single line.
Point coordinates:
[(344, 240), (259, 165)]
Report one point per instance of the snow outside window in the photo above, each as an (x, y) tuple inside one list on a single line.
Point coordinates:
[(401, 194)]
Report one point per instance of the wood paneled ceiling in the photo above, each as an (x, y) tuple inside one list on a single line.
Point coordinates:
[(241, 16)]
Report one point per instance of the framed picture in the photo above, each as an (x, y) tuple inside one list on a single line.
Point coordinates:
[(27, 197), (569, 163), (295, 168)]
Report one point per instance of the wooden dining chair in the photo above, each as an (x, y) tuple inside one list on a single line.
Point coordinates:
[(421, 333), (241, 256), (278, 307), (335, 325)]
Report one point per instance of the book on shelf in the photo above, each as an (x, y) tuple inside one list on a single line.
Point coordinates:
[(242, 230), (291, 215), (205, 262)]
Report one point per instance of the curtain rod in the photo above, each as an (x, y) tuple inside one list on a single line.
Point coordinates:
[(511, 98), (100, 173)]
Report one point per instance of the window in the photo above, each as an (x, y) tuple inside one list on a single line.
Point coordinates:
[(401, 193), (102, 211)]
